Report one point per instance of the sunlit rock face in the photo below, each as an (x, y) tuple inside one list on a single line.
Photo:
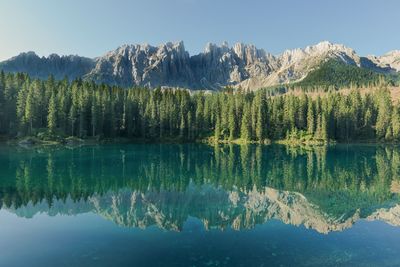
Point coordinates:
[(170, 65), (241, 65), (145, 65), (388, 60)]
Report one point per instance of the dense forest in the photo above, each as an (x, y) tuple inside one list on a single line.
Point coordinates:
[(57, 109), (338, 74)]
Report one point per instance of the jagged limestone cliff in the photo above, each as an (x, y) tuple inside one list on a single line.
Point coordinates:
[(170, 65)]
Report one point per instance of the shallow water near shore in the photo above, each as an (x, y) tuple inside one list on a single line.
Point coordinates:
[(198, 205)]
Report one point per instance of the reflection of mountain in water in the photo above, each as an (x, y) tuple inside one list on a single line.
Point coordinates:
[(215, 207), (389, 215), (238, 187)]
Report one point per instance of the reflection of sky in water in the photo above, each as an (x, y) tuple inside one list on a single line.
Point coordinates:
[(180, 205), (89, 240)]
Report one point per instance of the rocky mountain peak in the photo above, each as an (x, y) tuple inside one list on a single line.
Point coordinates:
[(389, 60), (325, 46), (26, 54), (170, 65), (71, 66), (250, 53), (322, 49), (215, 49), (393, 53)]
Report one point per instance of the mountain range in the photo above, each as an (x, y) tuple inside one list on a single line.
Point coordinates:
[(218, 66)]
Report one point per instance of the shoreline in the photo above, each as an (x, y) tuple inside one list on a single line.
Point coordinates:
[(28, 142)]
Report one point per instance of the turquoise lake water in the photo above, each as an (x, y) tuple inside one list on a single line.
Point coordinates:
[(198, 205)]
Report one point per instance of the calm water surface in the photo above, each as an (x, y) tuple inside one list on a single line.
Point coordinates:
[(196, 205)]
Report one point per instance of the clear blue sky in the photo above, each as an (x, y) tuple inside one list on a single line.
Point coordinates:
[(92, 27)]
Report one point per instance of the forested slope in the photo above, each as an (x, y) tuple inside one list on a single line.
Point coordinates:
[(57, 109)]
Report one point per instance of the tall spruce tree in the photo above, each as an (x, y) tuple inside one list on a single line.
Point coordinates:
[(310, 118), (396, 124), (384, 114), (261, 120), (245, 129), (232, 120), (52, 114)]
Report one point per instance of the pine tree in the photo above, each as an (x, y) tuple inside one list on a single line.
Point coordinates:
[(190, 126), (2, 102), (310, 118), (199, 115), (40, 101), (260, 126), (63, 103), (321, 131), (72, 119), (74, 107), (324, 128), (30, 114), (217, 129), (52, 114), (94, 113), (182, 127), (83, 100), (389, 133), (318, 128), (13, 84), (162, 116), (21, 103), (302, 112), (113, 120), (368, 131), (232, 121), (245, 130), (396, 124), (254, 113), (384, 114)]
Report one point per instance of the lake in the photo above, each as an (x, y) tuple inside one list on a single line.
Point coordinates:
[(198, 205)]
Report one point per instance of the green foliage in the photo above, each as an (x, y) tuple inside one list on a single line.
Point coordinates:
[(310, 118), (337, 74), (396, 124), (51, 118), (245, 130), (86, 110), (384, 114)]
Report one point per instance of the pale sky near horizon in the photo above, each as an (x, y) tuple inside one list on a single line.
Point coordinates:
[(92, 27)]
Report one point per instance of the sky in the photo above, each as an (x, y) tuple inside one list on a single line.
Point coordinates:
[(92, 27)]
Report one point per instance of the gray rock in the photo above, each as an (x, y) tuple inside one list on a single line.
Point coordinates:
[(42, 67), (170, 65)]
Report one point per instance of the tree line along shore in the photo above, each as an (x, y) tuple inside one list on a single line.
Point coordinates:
[(55, 111)]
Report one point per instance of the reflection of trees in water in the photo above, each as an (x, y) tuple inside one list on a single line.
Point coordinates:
[(330, 177)]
